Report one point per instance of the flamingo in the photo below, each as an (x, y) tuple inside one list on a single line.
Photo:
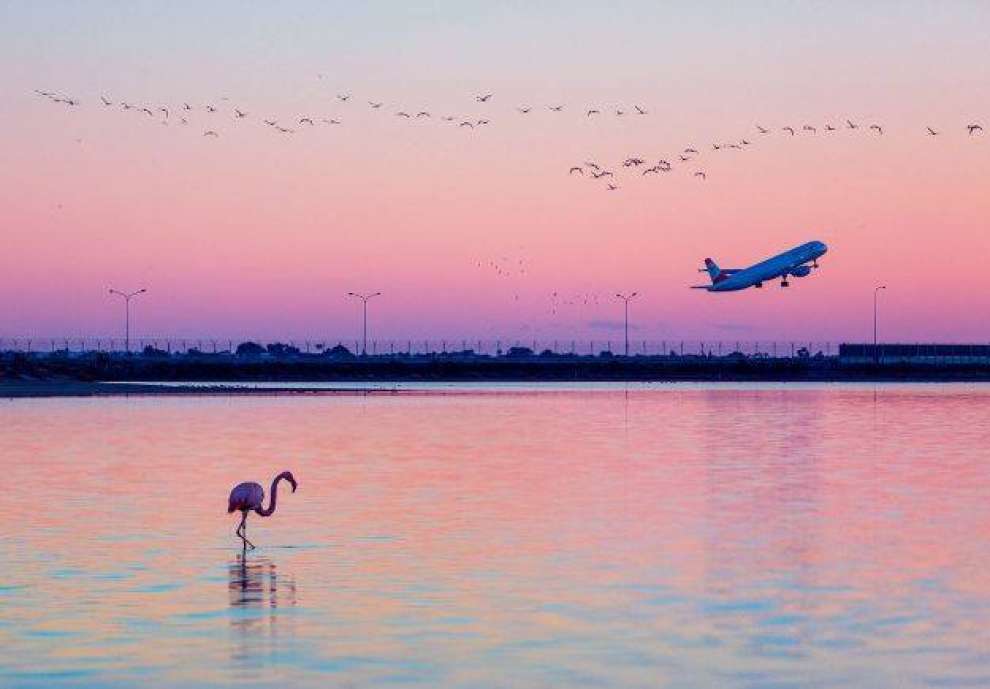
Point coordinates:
[(248, 496)]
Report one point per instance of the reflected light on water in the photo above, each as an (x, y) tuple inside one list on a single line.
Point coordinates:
[(689, 536)]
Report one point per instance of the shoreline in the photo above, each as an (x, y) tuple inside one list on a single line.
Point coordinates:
[(40, 389), (27, 389)]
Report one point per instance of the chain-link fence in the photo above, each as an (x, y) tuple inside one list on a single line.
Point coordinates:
[(518, 347)]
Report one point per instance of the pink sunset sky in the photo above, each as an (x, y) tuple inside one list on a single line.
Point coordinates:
[(257, 233)]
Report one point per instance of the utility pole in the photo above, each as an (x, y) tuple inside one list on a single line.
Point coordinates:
[(876, 352), (365, 298), (626, 299), (127, 314)]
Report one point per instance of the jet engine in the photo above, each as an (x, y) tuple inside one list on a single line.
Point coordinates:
[(799, 271)]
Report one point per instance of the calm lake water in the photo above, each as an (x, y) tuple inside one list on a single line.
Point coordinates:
[(665, 535)]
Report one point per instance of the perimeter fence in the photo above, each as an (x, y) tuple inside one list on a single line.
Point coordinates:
[(515, 347)]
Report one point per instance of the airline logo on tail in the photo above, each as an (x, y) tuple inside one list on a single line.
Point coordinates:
[(717, 274)]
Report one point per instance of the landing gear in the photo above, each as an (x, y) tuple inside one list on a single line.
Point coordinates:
[(758, 285), (784, 283), (814, 264)]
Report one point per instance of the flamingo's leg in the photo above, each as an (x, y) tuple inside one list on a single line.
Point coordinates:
[(242, 531)]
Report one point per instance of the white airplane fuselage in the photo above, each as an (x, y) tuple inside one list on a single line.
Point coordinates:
[(790, 263)]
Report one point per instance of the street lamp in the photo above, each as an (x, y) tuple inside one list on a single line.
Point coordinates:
[(364, 300), (127, 314), (626, 299), (876, 292)]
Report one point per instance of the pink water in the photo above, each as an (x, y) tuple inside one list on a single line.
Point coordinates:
[(688, 536)]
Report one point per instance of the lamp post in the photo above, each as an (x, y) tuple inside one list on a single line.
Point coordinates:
[(365, 298), (876, 292), (626, 299), (127, 314)]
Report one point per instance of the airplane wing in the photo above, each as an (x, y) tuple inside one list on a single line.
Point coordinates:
[(708, 287)]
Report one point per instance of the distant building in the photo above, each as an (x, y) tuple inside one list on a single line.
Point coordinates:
[(934, 354)]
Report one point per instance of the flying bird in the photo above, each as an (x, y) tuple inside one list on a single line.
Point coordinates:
[(593, 112), (877, 127), (210, 108), (148, 112), (422, 113), (809, 128), (829, 128), (402, 113), (524, 110), (556, 108), (106, 101), (270, 123), (973, 128), (700, 174), (466, 124), (249, 496), (612, 187), (592, 165), (330, 121), (575, 169), (342, 97), (239, 114), (305, 120), (164, 110), (210, 132), (619, 113), (286, 130), (788, 129), (639, 110), (186, 106), (484, 98), (762, 130), (932, 131), (684, 159), (482, 122), (690, 150), (851, 124), (375, 105)]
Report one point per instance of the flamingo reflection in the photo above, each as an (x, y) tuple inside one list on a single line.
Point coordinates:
[(256, 591)]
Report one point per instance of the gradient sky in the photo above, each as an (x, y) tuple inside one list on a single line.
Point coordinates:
[(256, 234)]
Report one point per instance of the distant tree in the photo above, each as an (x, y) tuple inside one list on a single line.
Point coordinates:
[(519, 352), (546, 353), (279, 349), (152, 351), (803, 353), (249, 349), (339, 352)]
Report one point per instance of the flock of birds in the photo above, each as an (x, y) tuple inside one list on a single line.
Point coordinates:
[(688, 157), (512, 271), (182, 114)]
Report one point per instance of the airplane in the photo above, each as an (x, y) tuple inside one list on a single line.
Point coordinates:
[(793, 262)]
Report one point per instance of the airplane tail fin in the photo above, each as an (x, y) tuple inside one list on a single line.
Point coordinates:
[(713, 270)]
